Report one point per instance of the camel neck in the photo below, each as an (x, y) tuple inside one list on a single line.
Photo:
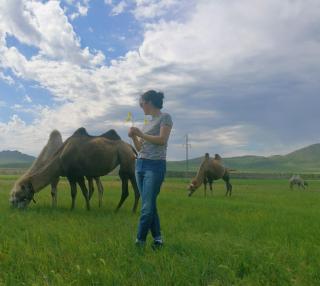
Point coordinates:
[(200, 175), (46, 174)]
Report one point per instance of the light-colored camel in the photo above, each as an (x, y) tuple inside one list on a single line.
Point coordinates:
[(53, 144), (297, 180), (209, 179), (79, 157), (210, 169)]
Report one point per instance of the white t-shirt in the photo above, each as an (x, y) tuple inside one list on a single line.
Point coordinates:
[(153, 151)]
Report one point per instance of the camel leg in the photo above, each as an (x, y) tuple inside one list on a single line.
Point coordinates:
[(100, 190), (84, 190), (230, 189), (54, 192), (90, 186), (210, 185), (205, 186), (136, 192), (226, 178), (124, 187), (73, 186)]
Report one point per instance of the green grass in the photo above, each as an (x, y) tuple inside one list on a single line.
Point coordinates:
[(263, 235)]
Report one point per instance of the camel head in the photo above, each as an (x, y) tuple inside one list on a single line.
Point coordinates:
[(21, 194), (192, 187)]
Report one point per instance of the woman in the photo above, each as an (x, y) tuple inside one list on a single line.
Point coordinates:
[(151, 144)]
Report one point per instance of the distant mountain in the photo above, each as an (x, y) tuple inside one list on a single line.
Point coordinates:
[(15, 159), (303, 160)]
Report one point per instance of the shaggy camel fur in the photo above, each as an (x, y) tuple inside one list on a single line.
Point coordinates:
[(53, 144), (209, 179), (80, 156), (297, 180), (210, 169)]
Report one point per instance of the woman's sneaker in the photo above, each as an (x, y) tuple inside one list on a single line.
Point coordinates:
[(157, 244)]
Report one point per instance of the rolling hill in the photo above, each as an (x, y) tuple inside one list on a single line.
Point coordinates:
[(303, 160), (15, 159)]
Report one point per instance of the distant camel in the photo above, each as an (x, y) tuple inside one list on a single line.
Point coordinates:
[(208, 179), (205, 182), (216, 157), (297, 180), (53, 144), (210, 169), (80, 156)]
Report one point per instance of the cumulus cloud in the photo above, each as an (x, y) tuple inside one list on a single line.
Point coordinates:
[(6, 78), (82, 9), (45, 26), (236, 75), (119, 8), (154, 8), (148, 10), (116, 8), (27, 98)]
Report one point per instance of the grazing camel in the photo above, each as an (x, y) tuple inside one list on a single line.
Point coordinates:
[(53, 144), (210, 169), (207, 180), (79, 157), (297, 180)]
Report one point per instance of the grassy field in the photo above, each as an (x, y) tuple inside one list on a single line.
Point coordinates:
[(264, 234)]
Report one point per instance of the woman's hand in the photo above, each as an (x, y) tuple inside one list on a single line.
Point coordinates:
[(130, 133), (134, 131)]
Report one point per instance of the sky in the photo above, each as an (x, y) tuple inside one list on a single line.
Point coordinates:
[(240, 77)]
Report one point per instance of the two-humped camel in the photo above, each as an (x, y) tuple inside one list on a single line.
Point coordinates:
[(112, 135), (211, 169), (53, 144), (82, 156), (209, 179)]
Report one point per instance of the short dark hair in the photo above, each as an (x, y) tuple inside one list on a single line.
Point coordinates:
[(156, 98)]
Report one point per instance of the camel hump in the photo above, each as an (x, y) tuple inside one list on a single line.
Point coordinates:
[(54, 143), (81, 132), (55, 134), (111, 134), (217, 157)]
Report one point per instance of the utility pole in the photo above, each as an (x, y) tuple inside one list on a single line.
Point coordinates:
[(187, 154)]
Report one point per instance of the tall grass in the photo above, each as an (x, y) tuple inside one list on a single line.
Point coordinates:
[(264, 234)]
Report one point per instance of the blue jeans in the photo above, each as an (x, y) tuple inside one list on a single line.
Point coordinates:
[(150, 175)]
